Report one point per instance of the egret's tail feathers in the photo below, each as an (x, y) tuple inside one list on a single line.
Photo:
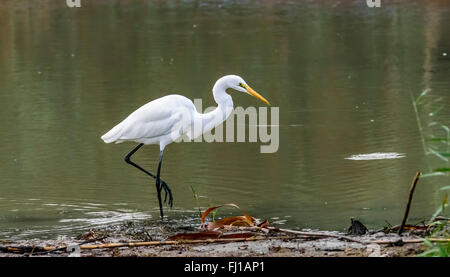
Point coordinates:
[(113, 134)]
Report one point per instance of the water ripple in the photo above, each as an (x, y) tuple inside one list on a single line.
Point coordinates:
[(376, 156)]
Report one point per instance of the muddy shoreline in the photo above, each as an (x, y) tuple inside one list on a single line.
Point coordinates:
[(125, 240)]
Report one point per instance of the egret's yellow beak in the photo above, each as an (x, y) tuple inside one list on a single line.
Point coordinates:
[(255, 94)]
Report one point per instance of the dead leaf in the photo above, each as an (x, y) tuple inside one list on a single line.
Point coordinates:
[(212, 226), (264, 224), (236, 221), (244, 220), (210, 235), (415, 227), (237, 235), (411, 227), (196, 236)]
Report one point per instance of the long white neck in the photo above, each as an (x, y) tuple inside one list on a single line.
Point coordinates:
[(214, 118), (220, 93)]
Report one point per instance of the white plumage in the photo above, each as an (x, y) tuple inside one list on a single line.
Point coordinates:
[(166, 119), (155, 122)]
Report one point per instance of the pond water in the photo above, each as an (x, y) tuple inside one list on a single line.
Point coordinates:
[(343, 76)]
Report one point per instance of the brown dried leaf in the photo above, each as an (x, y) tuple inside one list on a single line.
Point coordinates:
[(206, 213), (411, 227), (415, 227), (264, 224), (236, 221), (213, 226), (210, 235), (237, 235), (196, 236), (244, 220)]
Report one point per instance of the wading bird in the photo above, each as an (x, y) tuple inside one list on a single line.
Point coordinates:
[(168, 118)]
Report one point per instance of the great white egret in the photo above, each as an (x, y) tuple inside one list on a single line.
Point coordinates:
[(166, 119)]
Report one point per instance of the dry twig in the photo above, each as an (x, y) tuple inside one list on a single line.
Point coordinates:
[(408, 205)]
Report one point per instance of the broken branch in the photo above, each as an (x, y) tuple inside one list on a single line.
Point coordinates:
[(408, 205)]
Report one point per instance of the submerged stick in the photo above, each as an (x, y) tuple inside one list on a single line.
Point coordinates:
[(408, 205)]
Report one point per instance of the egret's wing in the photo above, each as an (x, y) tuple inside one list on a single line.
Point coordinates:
[(163, 116)]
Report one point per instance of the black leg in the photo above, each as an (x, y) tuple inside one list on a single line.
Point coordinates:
[(163, 184), (158, 186)]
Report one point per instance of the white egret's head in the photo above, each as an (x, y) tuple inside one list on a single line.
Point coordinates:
[(237, 83)]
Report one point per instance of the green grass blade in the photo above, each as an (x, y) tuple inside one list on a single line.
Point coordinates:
[(438, 154), (442, 250), (442, 169), (426, 175), (429, 253), (446, 128), (419, 98), (445, 140)]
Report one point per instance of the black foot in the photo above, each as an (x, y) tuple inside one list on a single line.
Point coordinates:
[(167, 192)]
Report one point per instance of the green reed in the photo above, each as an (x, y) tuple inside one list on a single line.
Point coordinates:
[(435, 136)]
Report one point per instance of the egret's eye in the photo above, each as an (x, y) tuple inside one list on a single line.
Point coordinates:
[(241, 85)]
